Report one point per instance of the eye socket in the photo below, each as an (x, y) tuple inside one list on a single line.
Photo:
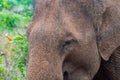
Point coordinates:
[(67, 44)]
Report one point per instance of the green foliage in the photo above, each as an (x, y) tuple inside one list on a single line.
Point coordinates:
[(21, 56), (5, 4), (15, 16), (9, 20), (2, 69), (13, 13)]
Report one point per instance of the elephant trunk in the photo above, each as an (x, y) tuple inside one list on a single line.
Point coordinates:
[(44, 66)]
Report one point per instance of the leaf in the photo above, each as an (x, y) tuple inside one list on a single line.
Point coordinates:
[(21, 35), (18, 38)]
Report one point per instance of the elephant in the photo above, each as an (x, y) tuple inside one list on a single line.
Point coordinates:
[(74, 40)]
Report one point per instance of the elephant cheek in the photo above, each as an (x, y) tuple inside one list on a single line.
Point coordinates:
[(42, 69)]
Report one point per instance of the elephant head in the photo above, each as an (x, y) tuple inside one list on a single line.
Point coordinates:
[(68, 38)]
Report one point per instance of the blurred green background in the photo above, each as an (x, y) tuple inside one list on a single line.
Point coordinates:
[(15, 16)]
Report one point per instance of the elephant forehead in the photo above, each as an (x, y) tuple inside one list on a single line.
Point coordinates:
[(52, 31)]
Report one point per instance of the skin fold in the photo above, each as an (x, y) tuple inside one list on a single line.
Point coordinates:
[(74, 40)]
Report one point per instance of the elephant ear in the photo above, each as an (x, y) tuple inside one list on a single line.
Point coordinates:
[(108, 37), (105, 22)]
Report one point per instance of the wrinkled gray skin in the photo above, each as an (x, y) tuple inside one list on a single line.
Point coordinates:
[(73, 39)]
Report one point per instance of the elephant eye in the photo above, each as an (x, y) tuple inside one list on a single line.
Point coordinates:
[(67, 44)]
